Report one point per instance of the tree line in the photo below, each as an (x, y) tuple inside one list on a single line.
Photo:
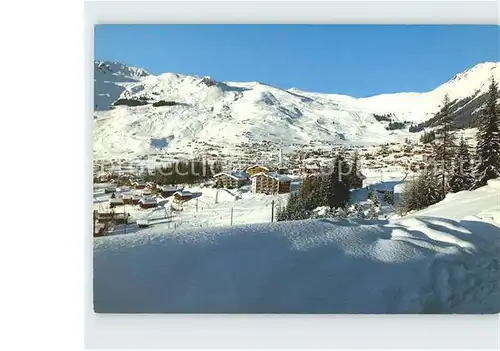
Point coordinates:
[(454, 167), (331, 190)]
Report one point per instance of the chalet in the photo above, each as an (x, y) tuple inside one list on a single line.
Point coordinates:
[(143, 223), (137, 185), (280, 170), (256, 169), (146, 192), (151, 186), (183, 195), (114, 202), (123, 189), (311, 168), (169, 190), (148, 202), (110, 189), (107, 217), (129, 199), (230, 180), (270, 183), (103, 177)]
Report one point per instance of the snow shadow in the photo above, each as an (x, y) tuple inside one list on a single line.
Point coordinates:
[(311, 266)]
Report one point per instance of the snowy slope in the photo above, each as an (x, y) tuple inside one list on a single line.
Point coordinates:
[(483, 202), (110, 80), (419, 264), (203, 112)]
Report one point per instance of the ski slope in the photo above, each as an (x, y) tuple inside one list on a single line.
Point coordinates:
[(424, 263)]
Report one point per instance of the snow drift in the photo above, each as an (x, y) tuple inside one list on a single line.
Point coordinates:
[(415, 265)]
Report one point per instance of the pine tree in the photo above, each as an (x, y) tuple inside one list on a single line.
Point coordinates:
[(488, 141), (461, 177), (389, 197), (428, 137), (373, 211), (444, 144), (338, 189), (371, 195), (420, 193), (354, 175), (207, 171), (358, 211), (216, 167), (429, 189)]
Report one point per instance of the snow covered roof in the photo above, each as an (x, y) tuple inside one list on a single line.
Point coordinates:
[(235, 175), (183, 193), (171, 188), (280, 177), (274, 175), (148, 200), (255, 166)]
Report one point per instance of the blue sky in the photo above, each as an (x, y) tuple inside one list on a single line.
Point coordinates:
[(349, 59)]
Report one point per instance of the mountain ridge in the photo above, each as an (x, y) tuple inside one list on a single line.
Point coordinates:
[(192, 113)]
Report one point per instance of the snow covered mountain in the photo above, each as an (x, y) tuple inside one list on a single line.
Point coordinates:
[(111, 79), (137, 112)]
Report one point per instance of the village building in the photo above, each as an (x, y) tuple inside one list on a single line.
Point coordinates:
[(169, 190), (270, 183), (148, 202), (310, 168), (102, 177), (231, 180), (183, 195), (114, 202), (137, 185), (256, 169), (143, 223), (110, 189), (130, 199)]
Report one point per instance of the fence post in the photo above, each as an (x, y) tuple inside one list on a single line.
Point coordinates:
[(272, 211), (231, 216)]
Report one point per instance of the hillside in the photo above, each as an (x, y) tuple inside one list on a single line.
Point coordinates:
[(138, 113), (110, 81), (425, 263)]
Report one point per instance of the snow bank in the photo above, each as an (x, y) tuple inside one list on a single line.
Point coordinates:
[(466, 203), (419, 265)]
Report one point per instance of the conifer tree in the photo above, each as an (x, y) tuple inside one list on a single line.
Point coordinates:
[(389, 197), (420, 192), (216, 167), (461, 177), (444, 144), (338, 194), (373, 211), (429, 189), (354, 175), (488, 141), (207, 171)]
